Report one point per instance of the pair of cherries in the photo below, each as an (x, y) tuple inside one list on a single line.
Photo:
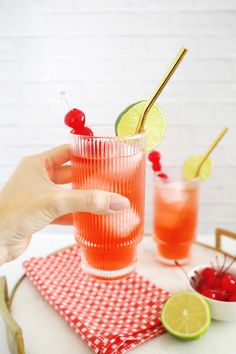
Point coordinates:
[(75, 119), (155, 158), (215, 285)]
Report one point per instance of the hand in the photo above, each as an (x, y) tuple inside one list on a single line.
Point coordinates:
[(32, 199)]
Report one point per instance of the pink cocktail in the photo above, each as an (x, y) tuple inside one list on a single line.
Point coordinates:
[(115, 164), (174, 218)]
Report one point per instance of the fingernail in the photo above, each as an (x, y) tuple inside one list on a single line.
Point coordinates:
[(119, 203)]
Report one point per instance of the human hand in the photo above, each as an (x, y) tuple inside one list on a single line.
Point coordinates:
[(32, 199)]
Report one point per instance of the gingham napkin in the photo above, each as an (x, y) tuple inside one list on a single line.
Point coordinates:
[(112, 317)]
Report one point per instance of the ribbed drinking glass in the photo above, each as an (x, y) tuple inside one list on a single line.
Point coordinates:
[(115, 164)]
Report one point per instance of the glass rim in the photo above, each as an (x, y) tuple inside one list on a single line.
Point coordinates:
[(125, 137), (169, 183)]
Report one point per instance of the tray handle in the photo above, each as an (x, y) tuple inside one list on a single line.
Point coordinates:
[(14, 332), (218, 237)]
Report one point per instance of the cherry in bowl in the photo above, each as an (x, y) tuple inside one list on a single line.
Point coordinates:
[(221, 301)]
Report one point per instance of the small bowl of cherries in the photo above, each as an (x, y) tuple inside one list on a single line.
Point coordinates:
[(217, 284)]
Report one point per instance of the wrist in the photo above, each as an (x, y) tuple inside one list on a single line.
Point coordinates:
[(3, 245), (3, 254), (4, 233)]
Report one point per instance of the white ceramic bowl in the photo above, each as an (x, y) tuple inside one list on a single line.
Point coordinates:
[(220, 310)]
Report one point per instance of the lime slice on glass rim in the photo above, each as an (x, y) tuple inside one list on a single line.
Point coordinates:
[(191, 165), (155, 125), (186, 315)]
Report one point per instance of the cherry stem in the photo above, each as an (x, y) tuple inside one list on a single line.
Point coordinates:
[(185, 273), (223, 265), (194, 282), (231, 263), (217, 262), (212, 265), (65, 99)]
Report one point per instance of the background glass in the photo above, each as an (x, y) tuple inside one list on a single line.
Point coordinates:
[(174, 219)]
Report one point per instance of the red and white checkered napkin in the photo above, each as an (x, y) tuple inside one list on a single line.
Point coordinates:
[(112, 317)]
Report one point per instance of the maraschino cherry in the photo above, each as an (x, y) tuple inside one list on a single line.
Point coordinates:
[(75, 119), (155, 158), (228, 282), (208, 273), (156, 166), (215, 282), (85, 131), (162, 175), (232, 297)]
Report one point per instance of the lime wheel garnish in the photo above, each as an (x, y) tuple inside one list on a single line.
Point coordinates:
[(191, 165), (155, 123)]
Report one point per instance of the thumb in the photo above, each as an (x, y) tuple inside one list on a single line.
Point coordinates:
[(93, 201)]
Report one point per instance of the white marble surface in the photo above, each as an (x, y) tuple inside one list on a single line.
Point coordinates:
[(54, 238)]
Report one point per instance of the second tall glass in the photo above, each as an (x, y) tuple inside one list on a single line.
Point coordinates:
[(115, 164), (174, 219)]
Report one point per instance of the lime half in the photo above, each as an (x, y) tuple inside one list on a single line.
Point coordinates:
[(155, 125), (191, 165), (186, 315)]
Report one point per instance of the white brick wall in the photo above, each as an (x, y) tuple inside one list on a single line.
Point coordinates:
[(109, 53)]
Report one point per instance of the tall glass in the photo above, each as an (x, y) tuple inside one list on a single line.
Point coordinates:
[(115, 164), (174, 219)]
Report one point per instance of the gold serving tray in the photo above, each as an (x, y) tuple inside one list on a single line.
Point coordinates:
[(14, 331)]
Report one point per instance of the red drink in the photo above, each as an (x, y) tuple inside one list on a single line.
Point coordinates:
[(175, 219), (109, 242)]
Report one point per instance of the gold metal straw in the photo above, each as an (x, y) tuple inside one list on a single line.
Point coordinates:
[(209, 151), (159, 89)]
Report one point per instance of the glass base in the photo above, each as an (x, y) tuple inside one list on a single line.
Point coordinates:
[(108, 275), (171, 262)]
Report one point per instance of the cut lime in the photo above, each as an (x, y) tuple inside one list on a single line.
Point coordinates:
[(186, 315), (191, 165), (155, 125)]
